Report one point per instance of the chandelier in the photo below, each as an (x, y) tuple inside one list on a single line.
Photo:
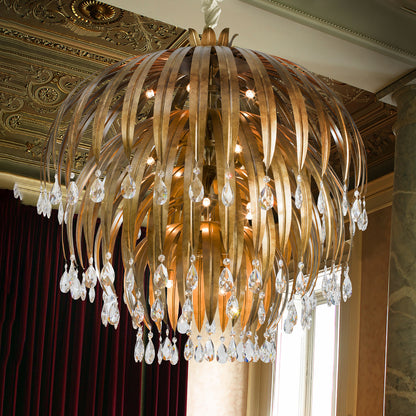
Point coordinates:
[(237, 164)]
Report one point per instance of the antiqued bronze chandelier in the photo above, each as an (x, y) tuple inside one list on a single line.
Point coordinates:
[(238, 163)]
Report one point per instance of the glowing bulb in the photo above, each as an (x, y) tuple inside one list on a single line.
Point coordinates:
[(150, 161), (250, 94), (150, 93), (169, 284), (206, 202), (188, 87), (238, 148), (249, 215)]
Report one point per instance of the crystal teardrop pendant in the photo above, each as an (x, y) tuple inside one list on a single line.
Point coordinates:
[(139, 347), (280, 283), (91, 274), (321, 203), (227, 194), (261, 313), (188, 352), (300, 280), (306, 313), (167, 349), (91, 294), (192, 278), (75, 288), (73, 193), (107, 273), (356, 207), (60, 213), (264, 353), (64, 284), (232, 310), (149, 355), (209, 350), (345, 204), (222, 355), (266, 195), (129, 279), (248, 350), (298, 193), (159, 351), (199, 351), (232, 350), (56, 193), (254, 280), (97, 188), (39, 204), (160, 278), (160, 193), (187, 309), (225, 281), (128, 186), (196, 189), (138, 312), (256, 350), (240, 350), (157, 311), (174, 355), (16, 191), (182, 326), (346, 285), (362, 222)]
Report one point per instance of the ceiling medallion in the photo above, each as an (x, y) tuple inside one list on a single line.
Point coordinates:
[(221, 165), (95, 12)]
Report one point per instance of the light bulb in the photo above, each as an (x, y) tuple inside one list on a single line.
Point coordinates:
[(150, 161), (238, 148), (150, 93), (206, 202), (250, 94)]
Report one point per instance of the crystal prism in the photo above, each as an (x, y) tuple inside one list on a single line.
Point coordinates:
[(187, 310), (159, 351), (321, 202), (188, 352), (298, 195), (222, 355), (39, 204), (192, 278), (160, 193), (182, 326), (196, 190), (129, 280), (232, 350), (128, 187), (266, 198), (64, 283), (199, 351), (356, 210), (232, 309), (174, 355), (264, 353), (107, 273), (157, 311), (362, 222), (227, 195), (346, 286), (149, 355), (249, 351), (139, 350), (160, 278), (240, 352), (56, 193), (345, 204), (138, 312), (16, 192), (97, 190), (60, 213), (75, 288), (261, 313), (91, 276), (256, 351), (167, 349), (226, 281), (91, 294), (73, 194), (280, 283), (209, 350), (254, 281)]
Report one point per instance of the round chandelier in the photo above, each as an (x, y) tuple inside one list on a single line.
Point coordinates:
[(237, 163)]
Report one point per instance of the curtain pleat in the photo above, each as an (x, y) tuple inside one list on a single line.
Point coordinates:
[(56, 358)]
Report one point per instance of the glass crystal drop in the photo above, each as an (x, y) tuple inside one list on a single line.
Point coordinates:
[(254, 281), (232, 350), (325, 282), (227, 195), (256, 352), (56, 193), (107, 273), (39, 204), (139, 350), (138, 312), (222, 355), (64, 284), (75, 288), (199, 352), (298, 196), (188, 352), (114, 314), (66, 214), (174, 355), (129, 280), (362, 222), (16, 191), (266, 198), (196, 190), (48, 207), (232, 309), (60, 213), (300, 282), (149, 355), (306, 313), (192, 278), (73, 194), (97, 190), (346, 286), (159, 352), (160, 278), (323, 230), (288, 326), (321, 202), (182, 326), (210, 328), (356, 210), (167, 349), (104, 312), (91, 294), (83, 291), (240, 352), (280, 281), (157, 311), (91, 276), (264, 353), (271, 349), (160, 193), (209, 350), (249, 351), (128, 187), (345, 204), (261, 313), (226, 281), (187, 309)]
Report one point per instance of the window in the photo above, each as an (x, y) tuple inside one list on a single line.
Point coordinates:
[(305, 375)]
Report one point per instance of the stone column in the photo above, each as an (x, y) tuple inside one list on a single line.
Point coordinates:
[(400, 399)]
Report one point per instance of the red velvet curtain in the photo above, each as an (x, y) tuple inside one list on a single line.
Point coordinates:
[(56, 358)]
